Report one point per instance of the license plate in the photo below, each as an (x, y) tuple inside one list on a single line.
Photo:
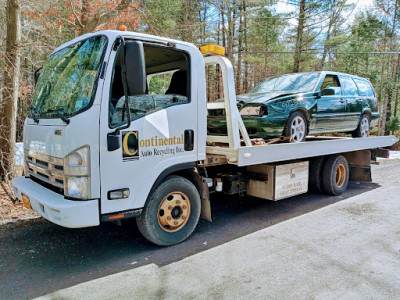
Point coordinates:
[(26, 202)]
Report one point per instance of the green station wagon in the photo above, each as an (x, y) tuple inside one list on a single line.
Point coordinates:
[(296, 105)]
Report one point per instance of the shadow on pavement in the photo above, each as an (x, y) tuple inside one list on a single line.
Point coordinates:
[(38, 257)]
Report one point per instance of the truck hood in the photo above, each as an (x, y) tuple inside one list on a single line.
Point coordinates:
[(46, 139), (54, 138)]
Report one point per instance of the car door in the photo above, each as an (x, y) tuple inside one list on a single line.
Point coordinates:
[(354, 102), (367, 99), (331, 108), (162, 121)]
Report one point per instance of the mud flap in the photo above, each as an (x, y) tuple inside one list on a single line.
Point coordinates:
[(359, 165), (205, 203), (204, 195)]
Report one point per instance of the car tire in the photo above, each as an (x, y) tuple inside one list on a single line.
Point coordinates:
[(363, 128), (296, 127), (171, 213), (335, 175), (315, 174)]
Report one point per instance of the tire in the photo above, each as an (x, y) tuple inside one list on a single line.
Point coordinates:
[(335, 175), (296, 127), (363, 128), (315, 174), (164, 224)]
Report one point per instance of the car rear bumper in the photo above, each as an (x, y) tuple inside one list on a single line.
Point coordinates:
[(55, 208)]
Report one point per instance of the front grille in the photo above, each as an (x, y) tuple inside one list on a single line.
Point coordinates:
[(46, 169)]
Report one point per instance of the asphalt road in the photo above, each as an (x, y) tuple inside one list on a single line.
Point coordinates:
[(37, 257)]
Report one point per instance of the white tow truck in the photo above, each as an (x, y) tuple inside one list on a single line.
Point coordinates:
[(118, 129)]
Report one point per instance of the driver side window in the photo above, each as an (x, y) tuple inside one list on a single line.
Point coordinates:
[(332, 82), (167, 72)]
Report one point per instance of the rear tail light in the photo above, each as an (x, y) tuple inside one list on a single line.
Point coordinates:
[(376, 96)]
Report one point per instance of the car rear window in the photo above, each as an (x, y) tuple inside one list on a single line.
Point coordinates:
[(364, 87), (348, 86)]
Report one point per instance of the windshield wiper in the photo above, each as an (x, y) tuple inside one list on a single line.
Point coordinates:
[(32, 111), (65, 119), (61, 116)]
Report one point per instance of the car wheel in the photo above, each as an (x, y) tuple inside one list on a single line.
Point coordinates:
[(296, 127), (171, 212), (335, 175), (363, 127)]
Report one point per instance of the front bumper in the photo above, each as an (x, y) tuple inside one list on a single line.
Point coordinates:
[(257, 127), (55, 208)]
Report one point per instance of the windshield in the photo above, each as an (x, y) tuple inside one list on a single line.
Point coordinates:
[(65, 85), (291, 82)]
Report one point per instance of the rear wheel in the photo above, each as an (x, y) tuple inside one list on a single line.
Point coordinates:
[(171, 212), (335, 175), (315, 174), (363, 127), (296, 127)]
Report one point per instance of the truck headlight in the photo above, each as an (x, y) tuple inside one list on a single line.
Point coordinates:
[(77, 187), (77, 173)]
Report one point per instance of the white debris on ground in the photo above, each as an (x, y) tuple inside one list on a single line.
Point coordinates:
[(19, 154), (394, 155)]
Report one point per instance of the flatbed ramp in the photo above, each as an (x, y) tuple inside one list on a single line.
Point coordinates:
[(314, 146)]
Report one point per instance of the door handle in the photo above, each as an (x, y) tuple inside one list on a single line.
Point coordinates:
[(342, 100), (189, 140)]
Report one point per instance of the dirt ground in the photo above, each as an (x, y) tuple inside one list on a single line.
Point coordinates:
[(12, 212)]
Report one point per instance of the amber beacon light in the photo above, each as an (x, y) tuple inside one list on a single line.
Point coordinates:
[(214, 49), (122, 28)]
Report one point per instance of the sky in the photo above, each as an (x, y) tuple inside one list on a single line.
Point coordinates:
[(361, 5)]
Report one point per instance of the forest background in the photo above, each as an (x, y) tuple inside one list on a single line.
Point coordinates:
[(260, 38)]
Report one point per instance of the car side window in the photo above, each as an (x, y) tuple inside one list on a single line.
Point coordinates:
[(332, 82), (364, 87), (167, 73), (349, 86)]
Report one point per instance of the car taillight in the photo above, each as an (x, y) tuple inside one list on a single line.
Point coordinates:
[(376, 96)]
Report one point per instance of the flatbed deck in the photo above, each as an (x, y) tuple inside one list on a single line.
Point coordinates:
[(313, 146)]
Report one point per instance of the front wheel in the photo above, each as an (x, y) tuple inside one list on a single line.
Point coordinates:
[(363, 127), (296, 127), (171, 212)]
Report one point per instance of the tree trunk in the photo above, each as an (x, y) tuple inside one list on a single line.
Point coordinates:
[(389, 90), (246, 64), (395, 91), (240, 49), (8, 108), (326, 47), (299, 39), (230, 34)]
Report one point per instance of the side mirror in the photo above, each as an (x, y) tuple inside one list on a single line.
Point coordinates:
[(135, 68), (113, 142), (328, 92), (36, 75)]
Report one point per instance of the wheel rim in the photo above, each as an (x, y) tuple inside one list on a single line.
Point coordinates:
[(340, 175), (174, 211), (298, 130), (364, 127)]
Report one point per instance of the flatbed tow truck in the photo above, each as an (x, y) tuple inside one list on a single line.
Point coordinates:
[(115, 147)]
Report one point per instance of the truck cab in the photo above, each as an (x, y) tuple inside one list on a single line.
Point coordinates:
[(71, 177)]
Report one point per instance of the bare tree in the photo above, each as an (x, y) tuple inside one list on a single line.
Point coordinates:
[(8, 106), (299, 37)]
